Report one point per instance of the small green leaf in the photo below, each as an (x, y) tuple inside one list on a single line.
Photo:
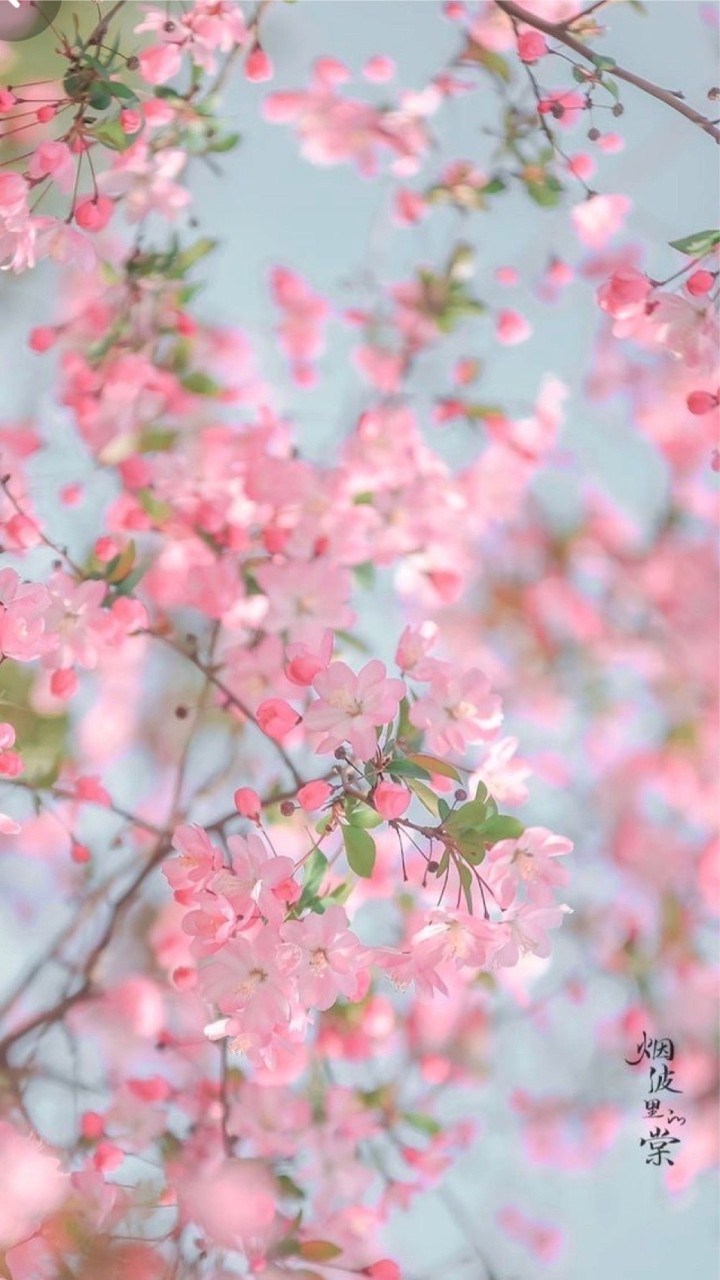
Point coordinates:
[(469, 817), (152, 506), (466, 879), (425, 796), (602, 62), (360, 850), (365, 573), (318, 1251), (501, 827), (444, 810), (405, 769), (313, 873), (194, 252), (99, 97), (360, 814), (200, 384), (224, 144), (425, 1124), (544, 194), (433, 765), (121, 91), (698, 244), (112, 134), (156, 440), (612, 87)]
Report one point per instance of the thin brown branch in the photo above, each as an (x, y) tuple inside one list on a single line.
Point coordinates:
[(557, 31)]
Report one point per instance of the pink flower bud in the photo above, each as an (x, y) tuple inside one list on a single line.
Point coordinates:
[(276, 718), (511, 328), (91, 1124), (391, 800), (531, 46), (42, 338), (258, 66), (379, 70), (63, 683), (247, 803), (383, 1270), (313, 794), (93, 215), (131, 121), (700, 282), (700, 402)]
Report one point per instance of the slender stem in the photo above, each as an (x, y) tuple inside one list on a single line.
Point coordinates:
[(557, 31)]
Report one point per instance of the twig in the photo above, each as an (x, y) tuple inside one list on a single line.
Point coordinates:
[(557, 31)]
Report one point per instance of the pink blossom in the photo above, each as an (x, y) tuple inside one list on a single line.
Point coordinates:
[(17, 231), (625, 293), (524, 931), (598, 219), (23, 607), (34, 1185), (330, 957), (529, 861), (457, 710), (305, 662), (146, 181), (55, 160), (351, 707)]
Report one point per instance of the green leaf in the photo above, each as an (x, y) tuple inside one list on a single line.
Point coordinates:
[(152, 506), (494, 186), (612, 87), (602, 62), (318, 1251), (224, 144), (365, 573), (487, 58), (112, 134), (156, 440), (313, 873), (425, 796), (698, 244), (544, 194), (360, 814), (200, 384), (360, 850), (483, 411), (340, 893), (288, 1187), (433, 765), (425, 1124), (469, 817), (501, 827), (444, 810), (466, 879), (99, 97), (121, 91), (405, 769), (194, 252)]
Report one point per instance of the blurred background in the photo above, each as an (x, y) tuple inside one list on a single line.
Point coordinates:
[(269, 207)]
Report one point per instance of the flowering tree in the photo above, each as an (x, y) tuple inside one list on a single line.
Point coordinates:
[(294, 901)]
